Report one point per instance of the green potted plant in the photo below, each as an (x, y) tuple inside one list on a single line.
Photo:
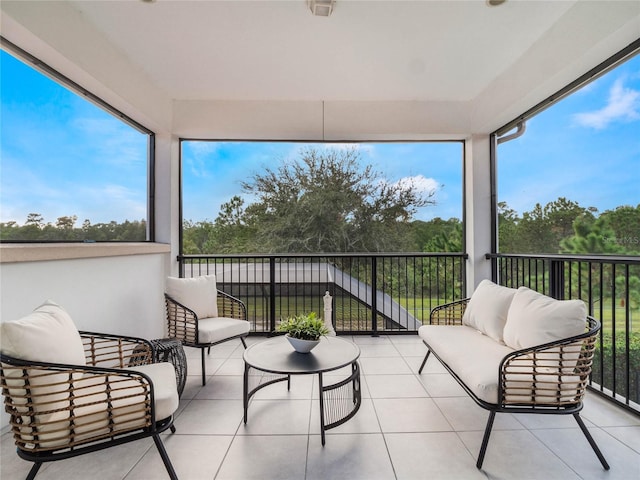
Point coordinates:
[(303, 331)]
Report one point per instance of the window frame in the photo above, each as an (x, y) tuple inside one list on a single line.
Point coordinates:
[(503, 132), (181, 140), (79, 90)]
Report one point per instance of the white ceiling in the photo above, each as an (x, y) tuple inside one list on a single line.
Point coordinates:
[(277, 50), (488, 63)]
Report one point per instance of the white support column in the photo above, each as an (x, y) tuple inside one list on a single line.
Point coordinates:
[(167, 200), (478, 209)]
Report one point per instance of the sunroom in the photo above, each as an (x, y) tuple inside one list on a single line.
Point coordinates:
[(470, 72)]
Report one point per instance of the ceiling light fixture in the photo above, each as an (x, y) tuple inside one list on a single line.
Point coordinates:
[(321, 8), (495, 3)]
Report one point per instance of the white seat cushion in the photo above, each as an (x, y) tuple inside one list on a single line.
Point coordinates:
[(488, 308), (474, 357), (198, 294), (165, 389), (212, 330)]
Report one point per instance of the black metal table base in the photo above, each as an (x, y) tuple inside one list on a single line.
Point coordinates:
[(171, 350), (339, 401)]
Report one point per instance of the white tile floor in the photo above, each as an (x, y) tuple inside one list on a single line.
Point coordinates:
[(410, 426)]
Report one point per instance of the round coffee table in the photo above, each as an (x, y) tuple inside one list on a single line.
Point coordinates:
[(276, 360)]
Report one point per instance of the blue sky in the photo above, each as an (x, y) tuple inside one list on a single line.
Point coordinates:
[(60, 155), (585, 148)]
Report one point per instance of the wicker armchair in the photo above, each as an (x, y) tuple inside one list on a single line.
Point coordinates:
[(551, 378), (227, 321), (59, 411)]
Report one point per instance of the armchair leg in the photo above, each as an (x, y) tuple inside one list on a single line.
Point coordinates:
[(204, 375), (34, 470), (244, 344), (424, 361), (485, 440), (165, 457), (591, 441)]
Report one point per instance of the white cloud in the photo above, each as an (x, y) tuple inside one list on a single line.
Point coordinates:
[(623, 104), (428, 186)]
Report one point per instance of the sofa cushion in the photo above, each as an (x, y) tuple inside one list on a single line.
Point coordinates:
[(198, 294), (535, 319), (212, 330), (487, 309), (46, 335), (474, 357)]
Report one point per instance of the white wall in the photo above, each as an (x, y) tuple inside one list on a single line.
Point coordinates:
[(121, 295)]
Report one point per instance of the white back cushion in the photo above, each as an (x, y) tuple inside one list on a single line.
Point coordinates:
[(535, 319), (47, 335), (487, 309), (198, 294)]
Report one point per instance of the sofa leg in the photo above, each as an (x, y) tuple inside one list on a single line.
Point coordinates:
[(165, 458), (485, 440), (591, 441), (34, 470), (204, 376), (424, 361)]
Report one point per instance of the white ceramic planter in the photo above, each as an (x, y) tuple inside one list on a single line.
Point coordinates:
[(302, 346)]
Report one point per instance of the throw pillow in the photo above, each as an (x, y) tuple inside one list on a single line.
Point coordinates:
[(198, 294), (487, 309)]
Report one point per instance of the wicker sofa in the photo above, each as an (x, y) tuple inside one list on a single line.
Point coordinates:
[(516, 351)]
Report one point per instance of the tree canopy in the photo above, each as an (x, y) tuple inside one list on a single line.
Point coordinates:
[(37, 229), (326, 201)]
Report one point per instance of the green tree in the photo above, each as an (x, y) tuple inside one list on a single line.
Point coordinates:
[(591, 238), (543, 228), (625, 224), (447, 236), (35, 229), (35, 219), (230, 233), (195, 236), (508, 228), (327, 202)]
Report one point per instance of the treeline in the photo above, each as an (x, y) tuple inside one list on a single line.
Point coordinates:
[(564, 226), (36, 229), (561, 226)]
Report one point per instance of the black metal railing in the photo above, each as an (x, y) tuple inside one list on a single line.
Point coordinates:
[(371, 293), (610, 286)]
